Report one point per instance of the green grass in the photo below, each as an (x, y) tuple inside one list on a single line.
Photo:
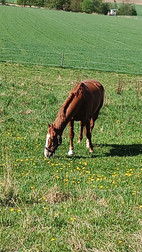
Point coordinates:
[(40, 37), (84, 203)]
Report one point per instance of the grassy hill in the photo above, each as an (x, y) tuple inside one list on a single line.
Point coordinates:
[(35, 36)]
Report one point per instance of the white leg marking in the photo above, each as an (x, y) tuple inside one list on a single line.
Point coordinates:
[(87, 143), (70, 153)]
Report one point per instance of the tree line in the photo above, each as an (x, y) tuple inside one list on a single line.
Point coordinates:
[(88, 6)]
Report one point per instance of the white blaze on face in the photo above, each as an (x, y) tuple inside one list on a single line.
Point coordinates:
[(46, 145)]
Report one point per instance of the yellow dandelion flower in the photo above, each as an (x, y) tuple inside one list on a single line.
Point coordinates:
[(19, 210), (72, 218), (52, 239), (120, 242), (11, 209), (45, 208)]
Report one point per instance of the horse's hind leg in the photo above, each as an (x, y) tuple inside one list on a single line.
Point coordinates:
[(88, 135), (91, 128), (81, 132), (71, 136)]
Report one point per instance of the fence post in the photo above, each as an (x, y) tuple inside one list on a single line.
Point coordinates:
[(62, 60)]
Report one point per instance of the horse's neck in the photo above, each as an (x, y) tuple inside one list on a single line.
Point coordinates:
[(60, 122), (67, 111), (63, 118)]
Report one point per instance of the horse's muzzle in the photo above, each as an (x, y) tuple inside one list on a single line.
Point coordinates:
[(48, 153)]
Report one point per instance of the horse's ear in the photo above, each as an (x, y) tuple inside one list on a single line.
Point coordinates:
[(49, 125)]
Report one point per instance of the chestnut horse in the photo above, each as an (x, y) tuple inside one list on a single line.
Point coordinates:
[(83, 104)]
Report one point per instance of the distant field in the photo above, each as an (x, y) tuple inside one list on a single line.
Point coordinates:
[(40, 37)]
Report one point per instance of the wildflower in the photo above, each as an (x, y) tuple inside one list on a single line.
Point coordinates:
[(11, 209), (45, 208), (88, 172), (52, 239), (140, 206), (134, 192), (120, 242), (19, 210), (72, 218)]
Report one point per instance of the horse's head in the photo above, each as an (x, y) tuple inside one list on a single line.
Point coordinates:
[(53, 140)]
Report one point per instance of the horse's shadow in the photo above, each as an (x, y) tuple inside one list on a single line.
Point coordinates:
[(123, 150), (111, 150)]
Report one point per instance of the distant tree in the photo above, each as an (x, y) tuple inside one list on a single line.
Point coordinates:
[(39, 3), (66, 5), (54, 4), (97, 6), (127, 9), (105, 7), (3, 2), (88, 6), (22, 2), (75, 5)]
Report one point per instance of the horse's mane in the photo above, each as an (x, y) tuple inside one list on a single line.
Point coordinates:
[(61, 116), (74, 93)]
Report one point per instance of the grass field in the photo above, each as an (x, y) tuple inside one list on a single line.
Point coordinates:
[(40, 37), (84, 203)]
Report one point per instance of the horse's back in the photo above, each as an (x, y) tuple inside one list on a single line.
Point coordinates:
[(96, 92), (92, 95), (93, 85)]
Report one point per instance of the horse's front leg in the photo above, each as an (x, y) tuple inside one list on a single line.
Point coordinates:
[(88, 135), (81, 132), (71, 136)]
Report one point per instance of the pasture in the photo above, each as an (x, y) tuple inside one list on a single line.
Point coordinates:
[(34, 36), (88, 202), (83, 203)]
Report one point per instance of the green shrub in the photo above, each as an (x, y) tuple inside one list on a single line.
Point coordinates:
[(105, 7), (127, 9), (88, 6)]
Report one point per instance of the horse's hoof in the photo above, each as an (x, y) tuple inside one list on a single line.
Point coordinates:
[(91, 151), (70, 153)]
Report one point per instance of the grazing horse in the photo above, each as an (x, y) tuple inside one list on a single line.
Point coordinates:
[(83, 104)]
